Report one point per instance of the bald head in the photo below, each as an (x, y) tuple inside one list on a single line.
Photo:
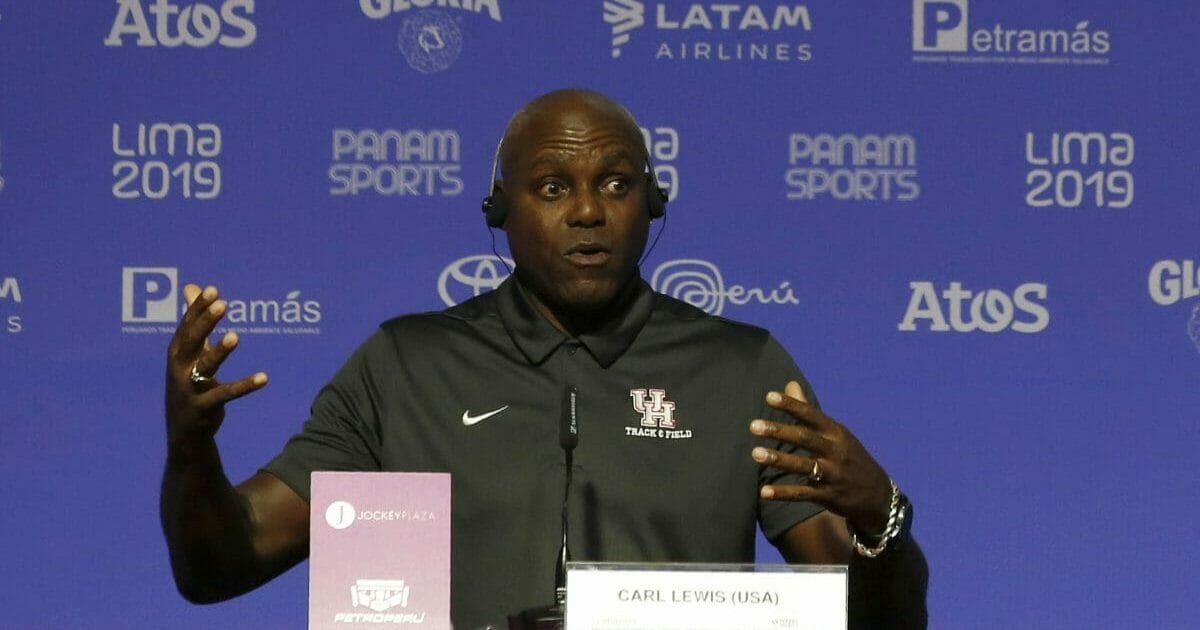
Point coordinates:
[(562, 108)]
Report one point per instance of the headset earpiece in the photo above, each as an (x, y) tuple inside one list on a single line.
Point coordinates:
[(495, 209), (656, 197)]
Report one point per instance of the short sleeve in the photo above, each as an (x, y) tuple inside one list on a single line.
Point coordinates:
[(776, 368), (342, 432)]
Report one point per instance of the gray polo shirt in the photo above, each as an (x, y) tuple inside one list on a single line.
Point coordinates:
[(662, 471)]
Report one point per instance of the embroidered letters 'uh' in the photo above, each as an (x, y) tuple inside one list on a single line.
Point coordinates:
[(655, 409)]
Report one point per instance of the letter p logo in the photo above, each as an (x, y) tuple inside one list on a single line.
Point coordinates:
[(149, 294), (940, 25)]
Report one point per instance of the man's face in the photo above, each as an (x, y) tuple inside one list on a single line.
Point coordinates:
[(578, 220)]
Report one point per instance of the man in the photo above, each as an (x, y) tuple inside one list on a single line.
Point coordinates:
[(666, 468)]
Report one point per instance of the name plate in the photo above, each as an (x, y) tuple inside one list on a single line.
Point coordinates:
[(379, 550), (606, 596)]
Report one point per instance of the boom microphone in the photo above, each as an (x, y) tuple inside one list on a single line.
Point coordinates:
[(551, 617), (568, 439)]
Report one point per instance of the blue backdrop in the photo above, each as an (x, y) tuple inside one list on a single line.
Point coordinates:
[(971, 221)]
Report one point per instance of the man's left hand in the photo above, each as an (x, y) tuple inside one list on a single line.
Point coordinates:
[(849, 483)]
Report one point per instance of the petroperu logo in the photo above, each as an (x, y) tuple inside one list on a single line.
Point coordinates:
[(847, 167), (701, 284), (10, 293), (197, 24), (396, 162), (657, 416), (1079, 168), (160, 160), (718, 32), (150, 303), (697, 282), (663, 145), (379, 596), (943, 26), (990, 310), (430, 40), (1171, 282)]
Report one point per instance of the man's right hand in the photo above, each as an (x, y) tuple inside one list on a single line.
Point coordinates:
[(224, 540), (196, 407)]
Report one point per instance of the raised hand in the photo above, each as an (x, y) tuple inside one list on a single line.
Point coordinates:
[(195, 399), (840, 474)]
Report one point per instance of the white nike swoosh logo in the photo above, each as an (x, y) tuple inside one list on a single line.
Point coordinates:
[(469, 420)]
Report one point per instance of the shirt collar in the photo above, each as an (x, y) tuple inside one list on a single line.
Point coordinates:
[(537, 338)]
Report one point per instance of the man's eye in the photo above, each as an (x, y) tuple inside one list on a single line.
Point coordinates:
[(616, 186), (551, 189)]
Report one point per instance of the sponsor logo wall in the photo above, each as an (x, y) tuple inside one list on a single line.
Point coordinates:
[(430, 39), (708, 33), (152, 302), (417, 162), (171, 25), (846, 167), (986, 34), (971, 222), (161, 160)]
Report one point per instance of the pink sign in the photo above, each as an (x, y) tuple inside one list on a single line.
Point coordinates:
[(379, 552)]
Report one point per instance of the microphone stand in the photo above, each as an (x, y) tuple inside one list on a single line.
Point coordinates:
[(551, 617)]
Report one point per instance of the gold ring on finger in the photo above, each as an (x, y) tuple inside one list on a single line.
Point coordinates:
[(197, 377), (814, 477)]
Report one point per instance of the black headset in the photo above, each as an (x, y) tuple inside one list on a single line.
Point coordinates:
[(496, 206)]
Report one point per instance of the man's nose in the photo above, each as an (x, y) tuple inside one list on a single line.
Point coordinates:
[(587, 210)]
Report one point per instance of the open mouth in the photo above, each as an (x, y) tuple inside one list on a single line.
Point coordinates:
[(588, 254)]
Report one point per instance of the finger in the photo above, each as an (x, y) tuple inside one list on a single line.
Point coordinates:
[(190, 293), (800, 410), (197, 300), (792, 492), (193, 334), (784, 461), (232, 390), (794, 390), (182, 346), (801, 436), (210, 361)]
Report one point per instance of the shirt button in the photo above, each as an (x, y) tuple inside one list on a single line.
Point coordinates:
[(572, 348)]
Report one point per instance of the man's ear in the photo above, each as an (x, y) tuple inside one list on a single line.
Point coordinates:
[(496, 206)]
